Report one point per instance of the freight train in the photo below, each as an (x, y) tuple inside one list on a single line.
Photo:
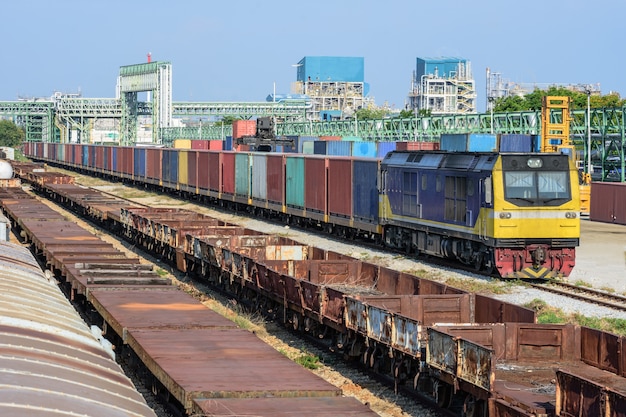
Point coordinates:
[(512, 215), (473, 353)]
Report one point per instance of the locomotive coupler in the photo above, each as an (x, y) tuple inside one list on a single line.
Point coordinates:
[(538, 256)]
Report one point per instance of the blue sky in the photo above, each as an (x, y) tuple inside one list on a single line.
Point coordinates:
[(236, 50)]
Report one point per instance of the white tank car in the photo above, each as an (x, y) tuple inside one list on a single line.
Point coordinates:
[(6, 170)]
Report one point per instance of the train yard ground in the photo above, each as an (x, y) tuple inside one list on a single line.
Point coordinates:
[(601, 256)]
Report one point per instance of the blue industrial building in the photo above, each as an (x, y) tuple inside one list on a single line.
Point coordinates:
[(331, 68)]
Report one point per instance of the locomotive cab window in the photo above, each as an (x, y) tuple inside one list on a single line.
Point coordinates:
[(542, 184)]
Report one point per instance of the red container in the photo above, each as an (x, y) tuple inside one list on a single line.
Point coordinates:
[(192, 168), (417, 146), (215, 171), (315, 184), (199, 144), (78, 154), (216, 145), (154, 163), (608, 202), (228, 172), (276, 178), (108, 158), (330, 138), (99, 157), (203, 170), (244, 128), (126, 156), (340, 186)]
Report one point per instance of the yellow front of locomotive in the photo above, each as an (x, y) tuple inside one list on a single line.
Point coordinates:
[(535, 222)]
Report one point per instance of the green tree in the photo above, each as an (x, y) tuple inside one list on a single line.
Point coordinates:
[(10, 134), (533, 101), (366, 114), (226, 121), (408, 113)]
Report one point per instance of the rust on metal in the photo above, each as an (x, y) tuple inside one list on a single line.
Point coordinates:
[(283, 407), (222, 363)]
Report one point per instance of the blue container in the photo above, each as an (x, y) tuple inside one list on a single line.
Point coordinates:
[(114, 167), (228, 143), (469, 142), (92, 156), (536, 143), (85, 161), (307, 147), (300, 140), (516, 143), (170, 166), (105, 160), (364, 149), (338, 148), (383, 148), (139, 162), (364, 191), (319, 147)]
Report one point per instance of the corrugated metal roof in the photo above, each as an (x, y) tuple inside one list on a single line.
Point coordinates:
[(50, 364)]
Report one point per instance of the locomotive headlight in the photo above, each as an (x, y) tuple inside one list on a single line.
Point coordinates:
[(571, 215), (534, 163), (505, 215)]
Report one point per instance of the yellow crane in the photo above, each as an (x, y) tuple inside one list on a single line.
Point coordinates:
[(555, 137)]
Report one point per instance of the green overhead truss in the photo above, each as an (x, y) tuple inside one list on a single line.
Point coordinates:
[(50, 121)]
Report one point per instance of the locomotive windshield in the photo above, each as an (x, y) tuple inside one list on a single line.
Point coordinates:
[(536, 181)]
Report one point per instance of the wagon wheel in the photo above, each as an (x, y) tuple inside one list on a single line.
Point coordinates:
[(442, 393), (490, 263), (473, 407), (478, 262), (295, 321)]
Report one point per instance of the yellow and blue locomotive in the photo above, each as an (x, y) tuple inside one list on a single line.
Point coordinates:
[(515, 215)]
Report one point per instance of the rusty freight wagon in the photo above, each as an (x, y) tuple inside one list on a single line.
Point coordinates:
[(522, 369)]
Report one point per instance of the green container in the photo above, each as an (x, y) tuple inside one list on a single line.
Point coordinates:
[(295, 181), (242, 174)]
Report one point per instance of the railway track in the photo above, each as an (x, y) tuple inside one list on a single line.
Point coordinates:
[(586, 294)]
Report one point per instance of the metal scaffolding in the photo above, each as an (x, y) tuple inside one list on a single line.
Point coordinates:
[(454, 93)]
